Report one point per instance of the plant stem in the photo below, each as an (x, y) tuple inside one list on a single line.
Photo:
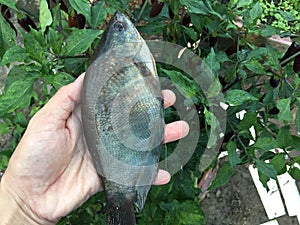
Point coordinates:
[(290, 58)]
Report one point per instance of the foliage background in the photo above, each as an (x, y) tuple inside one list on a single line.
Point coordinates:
[(58, 37)]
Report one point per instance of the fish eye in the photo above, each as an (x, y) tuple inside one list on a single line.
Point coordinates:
[(119, 26)]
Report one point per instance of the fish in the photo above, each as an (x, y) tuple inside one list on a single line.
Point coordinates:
[(123, 118)]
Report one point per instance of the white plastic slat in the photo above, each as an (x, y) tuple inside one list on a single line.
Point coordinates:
[(271, 200)]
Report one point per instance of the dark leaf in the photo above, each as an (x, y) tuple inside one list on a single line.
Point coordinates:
[(223, 176), (284, 137), (234, 159), (279, 164), (294, 172), (265, 143), (265, 168)]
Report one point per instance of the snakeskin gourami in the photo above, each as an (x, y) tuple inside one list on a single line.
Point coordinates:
[(123, 119)]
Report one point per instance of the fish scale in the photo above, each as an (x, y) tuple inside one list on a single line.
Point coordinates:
[(123, 118)]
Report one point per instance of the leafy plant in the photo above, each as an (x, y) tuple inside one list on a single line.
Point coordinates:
[(56, 49)]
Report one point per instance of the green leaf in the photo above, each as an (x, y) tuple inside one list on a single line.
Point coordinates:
[(82, 7), (55, 40), (214, 89), (279, 164), (14, 54), (265, 168), (234, 158), (243, 3), (61, 79), (186, 86), (10, 3), (98, 14), (256, 67), (265, 143), (294, 172), (17, 96), (174, 4), (195, 6), (249, 120), (80, 40), (182, 213), (212, 62), (223, 176), (152, 27), (3, 161), (45, 16), (255, 12), (264, 179), (7, 36), (284, 109), (284, 137), (296, 142), (35, 46), (237, 97), (191, 33), (268, 31)]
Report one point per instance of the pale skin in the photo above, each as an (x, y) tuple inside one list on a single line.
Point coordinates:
[(51, 172)]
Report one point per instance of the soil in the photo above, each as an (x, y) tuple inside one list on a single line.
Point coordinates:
[(238, 203)]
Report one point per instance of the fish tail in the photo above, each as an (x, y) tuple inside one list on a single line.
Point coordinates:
[(120, 209)]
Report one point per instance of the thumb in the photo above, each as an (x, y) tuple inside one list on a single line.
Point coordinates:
[(61, 105)]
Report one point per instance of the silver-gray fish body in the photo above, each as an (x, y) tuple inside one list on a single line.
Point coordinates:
[(122, 115)]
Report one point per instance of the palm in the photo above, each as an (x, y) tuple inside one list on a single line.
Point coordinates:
[(51, 172), (60, 175)]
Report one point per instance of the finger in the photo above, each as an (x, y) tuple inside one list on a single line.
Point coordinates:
[(169, 98), (163, 177), (176, 130), (63, 102)]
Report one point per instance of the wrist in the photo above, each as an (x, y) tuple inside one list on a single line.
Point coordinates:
[(14, 212)]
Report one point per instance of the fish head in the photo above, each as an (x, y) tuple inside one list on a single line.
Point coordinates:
[(122, 30), (121, 38)]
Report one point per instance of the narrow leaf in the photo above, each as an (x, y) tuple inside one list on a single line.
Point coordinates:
[(255, 12), (98, 14), (45, 15), (80, 40), (7, 36), (82, 7), (297, 121), (223, 176), (212, 63), (234, 159)]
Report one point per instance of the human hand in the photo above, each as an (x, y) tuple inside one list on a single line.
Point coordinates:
[(50, 172)]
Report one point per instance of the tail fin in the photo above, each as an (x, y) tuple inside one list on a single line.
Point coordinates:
[(119, 209)]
